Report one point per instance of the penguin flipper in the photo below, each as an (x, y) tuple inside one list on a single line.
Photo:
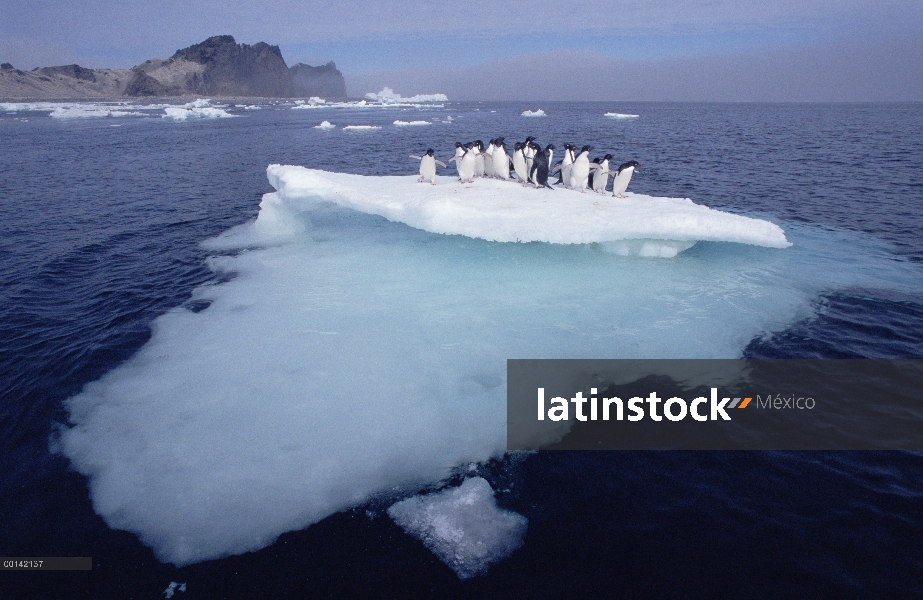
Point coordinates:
[(453, 158), (416, 157), (441, 163), (556, 168)]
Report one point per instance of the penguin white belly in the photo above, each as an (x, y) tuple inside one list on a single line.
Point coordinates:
[(466, 167), (428, 168), (601, 178), (579, 173), (519, 164), (479, 165), (459, 153), (501, 164), (621, 181)]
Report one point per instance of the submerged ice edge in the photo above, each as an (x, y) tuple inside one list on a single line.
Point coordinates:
[(505, 212)]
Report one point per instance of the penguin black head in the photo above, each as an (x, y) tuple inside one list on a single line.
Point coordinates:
[(459, 145), (429, 152), (586, 148), (597, 160), (479, 144), (517, 146), (607, 157), (499, 140), (629, 164), (549, 147)]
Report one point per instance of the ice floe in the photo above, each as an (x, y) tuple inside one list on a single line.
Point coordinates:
[(462, 526), (506, 212), (534, 113)]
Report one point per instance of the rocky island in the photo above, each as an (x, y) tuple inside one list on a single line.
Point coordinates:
[(219, 66)]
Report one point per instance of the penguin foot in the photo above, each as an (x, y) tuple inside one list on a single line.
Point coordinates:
[(420, 180)]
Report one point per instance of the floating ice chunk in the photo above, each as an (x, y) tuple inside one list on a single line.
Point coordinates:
[(325, 125), (173, 588), (620, 116), (180, 113), (315, 100), (88, 112), (199, 103), (387, 96), (248, 106), (400, 123), (462, 526), (504, 212), (361, 127), (534, 113)]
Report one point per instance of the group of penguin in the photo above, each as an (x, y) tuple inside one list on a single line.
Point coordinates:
[(531, 164)]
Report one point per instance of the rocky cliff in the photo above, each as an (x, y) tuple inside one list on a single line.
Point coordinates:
[(325, 81), (219, 66)]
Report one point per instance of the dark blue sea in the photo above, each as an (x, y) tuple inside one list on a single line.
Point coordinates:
[(102, 221)]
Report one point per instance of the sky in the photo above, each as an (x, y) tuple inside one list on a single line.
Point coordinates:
[(711, 50)]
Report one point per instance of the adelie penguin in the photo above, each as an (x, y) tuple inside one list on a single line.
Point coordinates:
[(580, 170), (459, 152), (528, 151), (467, 164), (622, 177), (428, 166), (600, 179), (519, 163), (489, 159), (501, 160), (539, 172), (565, 165), (479, 166)]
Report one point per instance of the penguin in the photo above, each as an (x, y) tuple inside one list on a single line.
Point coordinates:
[(479, 166), (459, 152), (539, 172), (468, 163), (549, 153), (601, 178), (580, 169), (519, 163), (622, 177), (565, 165), (589, 181), (501, 160), (528, 153), (428, 166), (489, 159)]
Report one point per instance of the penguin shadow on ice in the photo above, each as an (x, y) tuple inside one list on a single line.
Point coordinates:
[(428, 166)]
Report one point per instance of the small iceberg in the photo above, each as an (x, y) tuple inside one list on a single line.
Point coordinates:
[(500, 211), (620, 116), (387, 96), (534, 113), (325, 125), (400, 123), (463, 526), (361, 127)]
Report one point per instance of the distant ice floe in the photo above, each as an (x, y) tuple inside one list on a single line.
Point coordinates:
[(197, 109), (400, 123), (361, 127), (387, 96), (78, 110), (89, 112), (500, 211), (620, 116), (462, 526), (325, 125), (249, 106), (534, 113)]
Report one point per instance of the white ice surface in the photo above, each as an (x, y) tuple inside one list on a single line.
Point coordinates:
[(507, 212), (325, 125), (463, 526), (350, 356), (388, 96), (182, 113), (361, 127), (534, 113), (620, 116), (400, 123)]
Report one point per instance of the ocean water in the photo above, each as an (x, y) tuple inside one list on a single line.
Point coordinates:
[(101, 238)]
